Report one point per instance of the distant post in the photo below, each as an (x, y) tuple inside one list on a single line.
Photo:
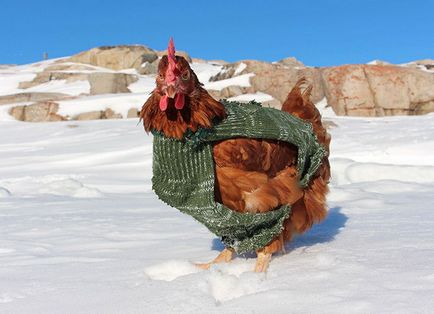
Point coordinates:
[(45, 56)]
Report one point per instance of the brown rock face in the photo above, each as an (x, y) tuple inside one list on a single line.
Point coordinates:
[(97, 115), (110, 114), (178, 53), (39, 112), (378, 90), (275, 79), (91, 115), (116, 57), (132, 113), (31, 97), (109, 83)]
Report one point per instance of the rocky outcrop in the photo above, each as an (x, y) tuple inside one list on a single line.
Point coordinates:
[(378, 90), (116, 57), (110, 83), (375, 89), (132, 113), (178, 53), (100, 82), (90, 115), (38, 112), (32, 97), (97, 115), (149, 68), (47, 76), (275, 79)]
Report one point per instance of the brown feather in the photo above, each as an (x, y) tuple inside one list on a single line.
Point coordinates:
[(251, 174)]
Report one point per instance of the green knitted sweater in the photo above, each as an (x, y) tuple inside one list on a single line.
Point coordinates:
[(184, 174)]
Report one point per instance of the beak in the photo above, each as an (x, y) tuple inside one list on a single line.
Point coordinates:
[(171, 91)]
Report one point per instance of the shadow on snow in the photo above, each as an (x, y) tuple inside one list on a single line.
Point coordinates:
[(323, 232)]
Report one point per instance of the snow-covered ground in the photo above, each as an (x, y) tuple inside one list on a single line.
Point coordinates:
[(82, 232)]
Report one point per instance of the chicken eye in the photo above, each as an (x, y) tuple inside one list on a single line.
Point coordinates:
[(160, 77), (185, 76)]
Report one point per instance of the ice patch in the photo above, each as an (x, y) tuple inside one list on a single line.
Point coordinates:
[(171, 270)]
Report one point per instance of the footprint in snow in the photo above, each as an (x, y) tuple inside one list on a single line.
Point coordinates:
[(223, 281)]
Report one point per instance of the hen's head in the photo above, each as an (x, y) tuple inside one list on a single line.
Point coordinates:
[(175, 80), (179, 102)]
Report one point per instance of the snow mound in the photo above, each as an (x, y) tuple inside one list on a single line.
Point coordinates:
[(171, 270), (70, 187), (345, 171), (55, 184), (4, 192), (225, 284)]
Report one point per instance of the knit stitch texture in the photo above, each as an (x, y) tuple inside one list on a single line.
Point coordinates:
[(184, 173)]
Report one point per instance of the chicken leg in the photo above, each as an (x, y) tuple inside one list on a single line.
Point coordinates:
[(225, 256)]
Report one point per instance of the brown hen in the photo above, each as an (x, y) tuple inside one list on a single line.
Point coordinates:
[(252, 175)]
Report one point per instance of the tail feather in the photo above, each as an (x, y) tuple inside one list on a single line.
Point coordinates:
[(312, 208)]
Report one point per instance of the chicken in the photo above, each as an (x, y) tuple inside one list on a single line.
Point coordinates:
[(251, 175)]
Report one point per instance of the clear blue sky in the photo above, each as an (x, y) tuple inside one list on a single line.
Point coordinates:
[(316, 32)]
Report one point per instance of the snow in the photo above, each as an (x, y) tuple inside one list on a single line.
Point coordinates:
[(119, 103), (74, 88), (241, 67), (145, 84), (325, 110), (258, 96), (241, 80), (205, 71), (82, 231)]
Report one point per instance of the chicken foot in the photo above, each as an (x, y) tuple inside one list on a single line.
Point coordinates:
[(262, 261), (225, 256)]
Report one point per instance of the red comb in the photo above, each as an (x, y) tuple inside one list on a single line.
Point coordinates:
[(171, 69), (171, 54)]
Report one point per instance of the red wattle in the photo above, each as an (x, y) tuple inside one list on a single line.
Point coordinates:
[(164, 101), (179, 101)]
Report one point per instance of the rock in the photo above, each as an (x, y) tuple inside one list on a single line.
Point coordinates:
[(59, 71), (378, 90), (132, 113), (17, 112), (216, 94), (291, 62), (32, 97), (91, 115), (273, 103), (100, 82), (149, 68), (116, 57), (109, 83), (231, 91), (178, 53), (47, 76), (275, 79), (39, 112), (110, 114)]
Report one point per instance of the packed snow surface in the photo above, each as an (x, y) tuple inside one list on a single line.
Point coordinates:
[(82, 232)]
